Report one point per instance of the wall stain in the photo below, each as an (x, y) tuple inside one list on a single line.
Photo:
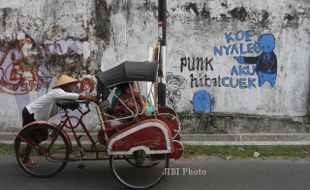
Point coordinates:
[(290, 17), (264, 18), (239, 13), (116, 6), (102, 21), (146, 6), (192, 6), (223, 15), (265, 15), (205, 12), (224, 5), (5, 14), (127, 8), (149, 5), (291, 20)]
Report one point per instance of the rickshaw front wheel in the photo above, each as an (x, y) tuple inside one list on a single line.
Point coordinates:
[(35, 153), (140, 170)]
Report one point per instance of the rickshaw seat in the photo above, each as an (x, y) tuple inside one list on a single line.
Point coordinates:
[(67, 104)]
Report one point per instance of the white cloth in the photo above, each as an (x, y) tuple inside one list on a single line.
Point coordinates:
[(1, 69), (45, 106)]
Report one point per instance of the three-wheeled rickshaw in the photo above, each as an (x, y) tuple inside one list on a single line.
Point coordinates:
[(138, 145)]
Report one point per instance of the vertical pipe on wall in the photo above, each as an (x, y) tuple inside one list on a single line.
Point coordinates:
[(125, 40), (162, 10), (309, 88)]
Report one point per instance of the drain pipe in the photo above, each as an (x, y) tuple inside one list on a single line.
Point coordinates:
[(162, 13)]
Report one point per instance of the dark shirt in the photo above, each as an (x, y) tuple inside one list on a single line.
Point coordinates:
[(265, 62)]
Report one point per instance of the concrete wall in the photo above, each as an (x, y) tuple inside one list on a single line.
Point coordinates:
[(64, 39), (203, 39), (198, 29)]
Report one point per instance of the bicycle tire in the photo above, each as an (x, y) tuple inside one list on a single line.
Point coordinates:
[(42, 166), (140, 176)]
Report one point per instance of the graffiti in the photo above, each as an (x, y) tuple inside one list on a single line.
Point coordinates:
[(27, 65), (198, 63), (266, 62), (235, 46), (62, 47), (87, 85), (174, 84), (242, 70), (17, 77), (202, 80), (242, 76), (201, 70), (202, 101)]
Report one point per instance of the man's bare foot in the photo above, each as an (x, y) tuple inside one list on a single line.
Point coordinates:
[(28, 163)]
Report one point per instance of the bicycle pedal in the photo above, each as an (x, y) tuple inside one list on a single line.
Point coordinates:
[(81, 166)]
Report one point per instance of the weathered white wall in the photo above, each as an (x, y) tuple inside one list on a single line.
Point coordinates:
[(196, 27), (48, 21), (119, 30)]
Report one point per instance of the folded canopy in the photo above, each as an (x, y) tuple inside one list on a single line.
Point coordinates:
[(126, 72)]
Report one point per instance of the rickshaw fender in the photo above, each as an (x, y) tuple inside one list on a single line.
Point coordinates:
[(178, 150), (166, 110), (172, 122), (152, 135)]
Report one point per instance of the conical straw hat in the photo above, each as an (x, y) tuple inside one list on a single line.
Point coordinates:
[(64, 79)]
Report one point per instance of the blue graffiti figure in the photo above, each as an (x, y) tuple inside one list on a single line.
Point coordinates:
[(266, 62), (202, 102)]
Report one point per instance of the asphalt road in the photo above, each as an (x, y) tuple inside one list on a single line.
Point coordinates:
[(220, 174)]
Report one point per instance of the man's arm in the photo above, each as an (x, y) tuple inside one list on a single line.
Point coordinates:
[(61, 94), (246, 60)]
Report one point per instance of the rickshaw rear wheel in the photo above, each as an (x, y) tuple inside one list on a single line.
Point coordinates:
[(132, 162), (34, 141), (140, 170)]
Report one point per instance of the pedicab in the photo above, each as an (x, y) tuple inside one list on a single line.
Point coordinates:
[(138, 145)]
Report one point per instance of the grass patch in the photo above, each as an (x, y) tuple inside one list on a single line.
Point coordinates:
[(247, 151), (235, 151), (6, 149)]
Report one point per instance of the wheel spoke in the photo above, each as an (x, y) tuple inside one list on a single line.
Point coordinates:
[(35, 153), (140, 170)]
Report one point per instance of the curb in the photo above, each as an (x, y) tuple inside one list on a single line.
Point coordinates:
[(248, 143), (245, 139)]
